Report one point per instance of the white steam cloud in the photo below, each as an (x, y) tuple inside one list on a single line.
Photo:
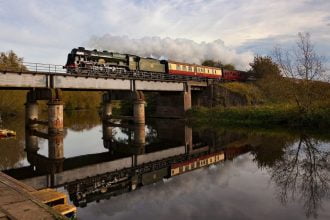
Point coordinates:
[(183, 50)]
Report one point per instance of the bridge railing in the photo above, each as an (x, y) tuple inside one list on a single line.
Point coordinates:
[(44, 68), (23, 67), (28, 67)]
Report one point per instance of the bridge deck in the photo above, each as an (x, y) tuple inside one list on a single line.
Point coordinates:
[(130, 80), (17, 203)]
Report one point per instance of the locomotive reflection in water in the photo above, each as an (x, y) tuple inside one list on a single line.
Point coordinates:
[(129, 164)]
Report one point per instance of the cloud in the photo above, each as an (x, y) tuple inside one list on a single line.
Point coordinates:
[(178, 49), (59, 26)]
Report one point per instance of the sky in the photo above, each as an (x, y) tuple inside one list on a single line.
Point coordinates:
[(232, 31)]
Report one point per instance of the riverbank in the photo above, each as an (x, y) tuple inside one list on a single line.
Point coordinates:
[(283, 115)]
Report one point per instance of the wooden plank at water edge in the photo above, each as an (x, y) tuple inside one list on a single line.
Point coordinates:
[(66, 210), (13, 182), (50, 197), (27, 210)]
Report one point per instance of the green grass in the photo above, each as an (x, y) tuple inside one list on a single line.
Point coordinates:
[(264, 115), (251, 92)]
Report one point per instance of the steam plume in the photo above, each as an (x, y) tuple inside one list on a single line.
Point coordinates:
[(180, 49)]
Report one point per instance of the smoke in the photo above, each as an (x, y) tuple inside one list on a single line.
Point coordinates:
[(179, 49)]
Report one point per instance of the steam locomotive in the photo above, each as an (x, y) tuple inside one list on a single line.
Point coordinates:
[(81, 60)]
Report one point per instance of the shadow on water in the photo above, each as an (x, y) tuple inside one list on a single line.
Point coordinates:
[(128, 157)]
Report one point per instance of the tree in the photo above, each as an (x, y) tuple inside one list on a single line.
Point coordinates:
[(228, 66), (218, 64), (303, 65), (211, 63), (10, 61), (11, 101), (264, 67)]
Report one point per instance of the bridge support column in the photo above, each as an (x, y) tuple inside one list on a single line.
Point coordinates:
[(55, 146), (31, 109), (188, 139), (55, 113), (138, 108), (107, 136), (187, 98), (55, 156), (140, 138), (106, 106), (31, 141), (173, 104)]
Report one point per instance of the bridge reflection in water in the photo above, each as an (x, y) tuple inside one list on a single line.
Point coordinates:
[(146, 155)]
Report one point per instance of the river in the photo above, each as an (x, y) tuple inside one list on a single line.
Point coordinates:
[(168, 170)]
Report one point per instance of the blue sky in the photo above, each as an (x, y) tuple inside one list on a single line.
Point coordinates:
[(46, 30)]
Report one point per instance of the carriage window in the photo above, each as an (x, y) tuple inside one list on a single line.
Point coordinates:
[(177, 67), (189, 68)]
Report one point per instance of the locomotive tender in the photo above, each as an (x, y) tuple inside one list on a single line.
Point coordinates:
[(81, 60)]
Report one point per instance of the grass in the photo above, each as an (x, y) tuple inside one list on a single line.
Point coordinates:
[(248, 90), (286, 115)]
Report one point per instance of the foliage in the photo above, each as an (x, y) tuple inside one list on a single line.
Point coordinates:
[(304, 66), (75, 100), (218, 64), (262, 67), (10, 61), (12, 102), (265, 115), (228, 66), (248, 90)]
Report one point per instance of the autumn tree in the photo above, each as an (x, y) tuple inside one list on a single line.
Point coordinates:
[(11, 101), (262, 67), (304, 67), (218, 64), (10, 61)]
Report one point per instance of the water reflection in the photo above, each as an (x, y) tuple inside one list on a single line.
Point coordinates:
[(129, 157), (303, 172), (12, 149)]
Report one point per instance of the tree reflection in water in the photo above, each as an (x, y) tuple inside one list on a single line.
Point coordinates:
[(303, 173)]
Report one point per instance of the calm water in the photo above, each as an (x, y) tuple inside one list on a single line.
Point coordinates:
[(125, 171)]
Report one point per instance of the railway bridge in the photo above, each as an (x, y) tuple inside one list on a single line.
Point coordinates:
[(46, 82)]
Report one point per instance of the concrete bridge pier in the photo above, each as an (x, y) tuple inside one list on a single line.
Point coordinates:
[(188, 138), (187, 98), (56, 146), (55, 113), (31, 141), (31, 109), (139, 138), (173, 104), (106, 106), (107, 136), (138, 108), (55, 156)]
